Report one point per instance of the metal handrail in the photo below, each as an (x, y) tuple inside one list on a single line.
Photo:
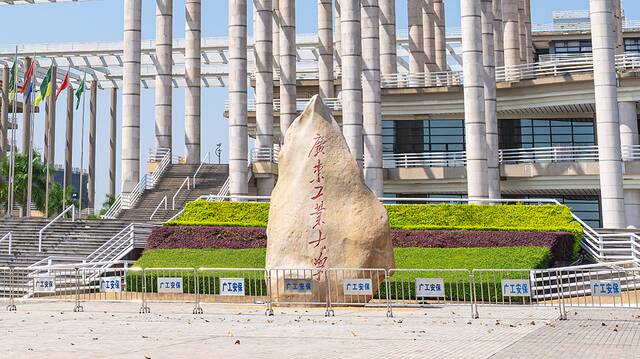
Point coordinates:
[(8, 237), (164, 200), (204, 160), (71, 208), (173, 200)]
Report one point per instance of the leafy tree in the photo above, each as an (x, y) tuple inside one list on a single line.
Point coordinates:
[(108, 202), (39, 183)]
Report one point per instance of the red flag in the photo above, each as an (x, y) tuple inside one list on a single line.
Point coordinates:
[(27, 77), (63, 85)]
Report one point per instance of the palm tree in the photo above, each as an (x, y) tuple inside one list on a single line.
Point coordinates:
[(39, 183)]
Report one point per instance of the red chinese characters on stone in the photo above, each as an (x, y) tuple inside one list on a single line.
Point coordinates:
[(317, 152), (319, 143)]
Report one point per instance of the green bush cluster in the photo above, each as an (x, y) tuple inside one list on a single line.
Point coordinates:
[(465, 258), (240, 214)]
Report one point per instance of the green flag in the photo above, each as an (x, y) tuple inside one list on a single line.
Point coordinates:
[(45, 88), (79, 92), (12, 81)]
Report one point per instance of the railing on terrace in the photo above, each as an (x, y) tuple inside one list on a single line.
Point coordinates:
[(264, 155), (332, 103), (427, 159), (505, 156), (549, 65)]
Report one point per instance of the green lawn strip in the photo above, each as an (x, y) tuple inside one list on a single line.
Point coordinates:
[(402, 284)]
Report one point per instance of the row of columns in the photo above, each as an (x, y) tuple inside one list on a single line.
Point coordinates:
[(164, 86)]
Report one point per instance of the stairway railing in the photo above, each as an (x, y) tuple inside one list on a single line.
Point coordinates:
[(204, 160), (186, 181), (8, 237), (163, 201), (121, 244), (128, 200), (71, 208)]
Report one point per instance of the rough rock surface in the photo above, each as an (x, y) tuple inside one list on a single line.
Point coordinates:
[(322, 214)]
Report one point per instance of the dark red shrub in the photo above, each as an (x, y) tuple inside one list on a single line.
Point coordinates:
[(560, 243)]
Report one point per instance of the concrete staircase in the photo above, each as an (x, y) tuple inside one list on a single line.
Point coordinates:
[(208, 181), (64, 239)]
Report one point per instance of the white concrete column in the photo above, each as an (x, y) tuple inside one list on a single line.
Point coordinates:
[(4, 115), (275, 35), (192, 95), (629, 137), (131, 96), (164, 86), (416, 45), (618, 30), (511, 33), (498, 33), (441, 36), (325, 40), (51, 115), (93, 114), (288, 58), (263, 58), (26, 116), (490, 109), (429, 36), (238, 140), (351, 77), (522, 31), (474, 113), (338, 35), (388, 51), (608, 125), (68, 148), (372, 114), (113, 140), (528, 32)]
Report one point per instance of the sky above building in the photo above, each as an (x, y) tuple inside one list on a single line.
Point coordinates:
[(102, 20)]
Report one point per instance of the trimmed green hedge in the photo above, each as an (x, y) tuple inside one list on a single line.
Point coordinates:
[(240, 214), (467, 258)]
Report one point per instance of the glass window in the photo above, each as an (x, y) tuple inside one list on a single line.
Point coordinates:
[(527, 133)]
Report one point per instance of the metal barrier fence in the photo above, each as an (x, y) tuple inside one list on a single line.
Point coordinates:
[(590, 286)]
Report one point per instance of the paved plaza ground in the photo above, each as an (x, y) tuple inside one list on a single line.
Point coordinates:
[(108, 330)]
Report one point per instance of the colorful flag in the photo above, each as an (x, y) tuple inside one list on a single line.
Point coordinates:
[(45, 87), (12, 81), (79, 92), (29, 91), (63, 85), (27, 77)]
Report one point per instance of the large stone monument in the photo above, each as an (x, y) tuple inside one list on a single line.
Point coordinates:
[(322, 214)]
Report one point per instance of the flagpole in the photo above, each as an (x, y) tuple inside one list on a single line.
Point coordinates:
[(13, 140), (82, 147), (30, 164)]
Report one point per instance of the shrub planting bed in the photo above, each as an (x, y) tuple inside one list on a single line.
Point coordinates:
[(560, 244)]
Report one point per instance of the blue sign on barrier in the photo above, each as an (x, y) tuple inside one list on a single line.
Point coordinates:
[(297, 286), (169, 285), (110, 284), (604, 288), (429, 287), (44, 285), (231, 286), (515, 288), (358, 286)]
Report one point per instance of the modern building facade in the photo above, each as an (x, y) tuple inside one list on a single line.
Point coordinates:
[(553, 139)]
